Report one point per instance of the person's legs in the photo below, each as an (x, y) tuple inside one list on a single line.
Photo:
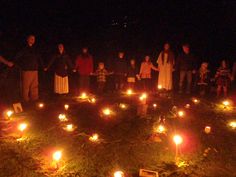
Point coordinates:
[(189, 81), (34, 86), (218, 90), (26, 80), (225, 91), (182, 75)]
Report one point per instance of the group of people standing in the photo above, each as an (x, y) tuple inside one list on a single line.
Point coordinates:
[(124, 73)]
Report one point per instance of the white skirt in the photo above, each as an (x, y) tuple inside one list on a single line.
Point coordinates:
[(61, 84)]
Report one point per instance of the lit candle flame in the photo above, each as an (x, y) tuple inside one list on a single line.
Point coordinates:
[(94, 138), (119, 174), (57, 155), (22, 126), (177, 139)]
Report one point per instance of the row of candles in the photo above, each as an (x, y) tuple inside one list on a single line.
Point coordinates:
[(177, 138)]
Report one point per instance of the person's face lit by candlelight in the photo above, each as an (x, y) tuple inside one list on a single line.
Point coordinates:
[(61, 48), (31, 40)]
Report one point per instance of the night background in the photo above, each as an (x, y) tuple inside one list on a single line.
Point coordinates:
[(137, 27)]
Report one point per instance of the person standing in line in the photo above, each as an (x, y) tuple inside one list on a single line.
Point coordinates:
[(84, 65), (62, 62), (29, 60), (132, 74), (145, 72), (165, 61), (120, 71), (186, 64), (223, 78)]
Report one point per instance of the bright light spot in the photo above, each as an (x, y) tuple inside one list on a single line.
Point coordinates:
[(66, 106), (182, 164), (57, 155), (226, 103), (161, 129), (143, 96), (22, 126), (62, 118), (154, 105), (196, 101), (232, 124), (180, 113), (207, 129), (69, 127), (9, 113), (94, 138), (93, 100), (84, 95), (159, 87), (129, 92), (187, 106), (106, 111), (123, 106), (119, 174), (41, 105), (21, 139), (177, 139)]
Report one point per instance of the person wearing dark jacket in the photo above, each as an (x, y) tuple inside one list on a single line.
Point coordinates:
[(62, 62), (132, 74), (186, 64), (29, 60), (120, 71)]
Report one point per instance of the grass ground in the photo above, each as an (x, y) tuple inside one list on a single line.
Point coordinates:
[(127, 141)]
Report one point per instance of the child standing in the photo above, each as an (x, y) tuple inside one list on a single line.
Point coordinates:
[(101, 74), (145, 72), (223, 78), (203, 78), (132, 74)]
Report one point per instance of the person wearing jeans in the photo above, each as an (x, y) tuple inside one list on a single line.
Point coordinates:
[(186, 64)]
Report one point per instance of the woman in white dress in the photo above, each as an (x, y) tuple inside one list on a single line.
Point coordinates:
[(165, 61)]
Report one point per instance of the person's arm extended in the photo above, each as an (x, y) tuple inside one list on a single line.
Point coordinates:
[(6, 62), (154, 67)]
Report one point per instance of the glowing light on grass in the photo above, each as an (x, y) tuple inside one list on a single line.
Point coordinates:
[(66, 106), (84, 95), (22, 126), (181, 113), (93, 100), (9, 113), (123, 106), (232, 124), (195, 100), (143, 97), (94, 138), (69, 127), (161, 129), (187, 106), (226, 103), (177, 139), (129, 92), (40, 105), (106, 111), (159, 87), (62, 118), (207, 129), (57, 155), (119, 174)]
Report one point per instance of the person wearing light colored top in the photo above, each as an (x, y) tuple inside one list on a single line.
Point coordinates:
[(145, 72), (165, 61)]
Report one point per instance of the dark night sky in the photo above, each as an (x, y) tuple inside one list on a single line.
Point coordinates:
[(139, 27)]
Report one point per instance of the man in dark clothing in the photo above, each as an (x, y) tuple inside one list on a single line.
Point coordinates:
[(186, 64), (120, 70), (28, 59)]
